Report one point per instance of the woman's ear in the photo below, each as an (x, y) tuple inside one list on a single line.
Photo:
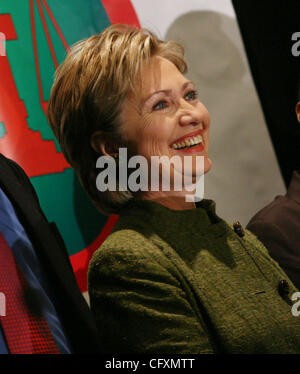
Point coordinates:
[(103, 143), (298, 110)]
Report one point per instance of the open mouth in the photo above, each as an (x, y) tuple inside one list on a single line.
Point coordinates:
[(189, 141)]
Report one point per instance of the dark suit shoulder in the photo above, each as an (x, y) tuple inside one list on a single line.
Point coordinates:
[(281, 211), (11, 172)]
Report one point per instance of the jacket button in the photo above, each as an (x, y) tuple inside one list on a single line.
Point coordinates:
[(238, 229), (283, 287)]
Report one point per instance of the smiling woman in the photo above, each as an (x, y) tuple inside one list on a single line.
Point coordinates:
[(172, 277), (92, 88)]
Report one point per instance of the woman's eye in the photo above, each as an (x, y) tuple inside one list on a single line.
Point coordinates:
[(192, 95), (160, 105)]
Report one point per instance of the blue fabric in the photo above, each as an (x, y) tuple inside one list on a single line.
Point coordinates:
[(29, 264), (3, 346)]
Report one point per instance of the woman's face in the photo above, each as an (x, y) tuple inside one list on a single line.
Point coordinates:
[(165, 117)]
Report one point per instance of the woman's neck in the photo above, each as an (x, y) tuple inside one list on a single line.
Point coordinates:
[(175, 200)]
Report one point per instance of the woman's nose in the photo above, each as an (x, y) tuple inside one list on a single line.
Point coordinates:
[(189, 115)]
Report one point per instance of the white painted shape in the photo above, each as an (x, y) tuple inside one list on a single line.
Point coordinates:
[(158, 15)]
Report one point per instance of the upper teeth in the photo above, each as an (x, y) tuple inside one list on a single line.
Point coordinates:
[(188, 142)]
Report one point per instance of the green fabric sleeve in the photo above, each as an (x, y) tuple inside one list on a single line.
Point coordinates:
[(140, 307)]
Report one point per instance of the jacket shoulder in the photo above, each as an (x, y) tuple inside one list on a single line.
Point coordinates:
[(124, 247), (138, 301)]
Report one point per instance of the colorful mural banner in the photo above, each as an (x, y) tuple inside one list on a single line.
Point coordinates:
[(36, 35)]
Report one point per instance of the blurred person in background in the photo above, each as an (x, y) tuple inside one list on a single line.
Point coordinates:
[(42, 310), (278, 225)]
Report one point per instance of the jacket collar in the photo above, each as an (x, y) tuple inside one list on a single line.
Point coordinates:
[(178, 224)]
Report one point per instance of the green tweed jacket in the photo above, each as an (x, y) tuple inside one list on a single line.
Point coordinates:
[(185, 282)]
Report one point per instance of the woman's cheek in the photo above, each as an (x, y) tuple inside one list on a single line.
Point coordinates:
[(153, 148)]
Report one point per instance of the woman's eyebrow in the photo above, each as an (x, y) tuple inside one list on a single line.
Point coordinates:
[(166, 91)]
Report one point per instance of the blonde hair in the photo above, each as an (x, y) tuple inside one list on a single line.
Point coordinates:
[(89, 88)]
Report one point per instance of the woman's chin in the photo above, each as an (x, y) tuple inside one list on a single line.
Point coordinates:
[(207, 165)]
